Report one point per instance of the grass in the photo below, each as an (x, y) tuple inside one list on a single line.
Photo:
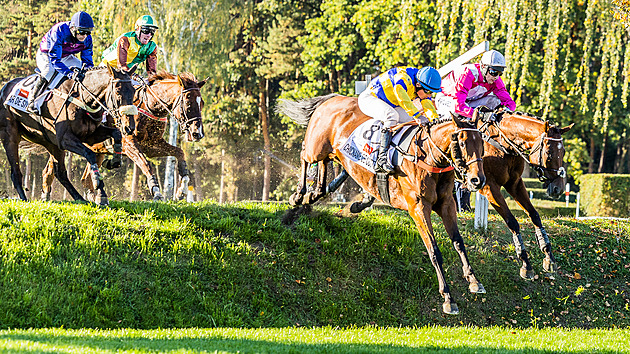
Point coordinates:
[(205, 265), (316, 340)]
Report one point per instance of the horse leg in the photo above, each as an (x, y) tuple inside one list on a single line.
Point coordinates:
[(447, 210), (138, 155), (11, 143), (86, 180), (519, 193), (298, 197), (320, 189), (48, 175), (421, 214), (492, 191), (59, 167), (366, 202)]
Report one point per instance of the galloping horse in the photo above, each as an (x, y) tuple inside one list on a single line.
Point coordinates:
[(166, 94), (331, 120), (512, 139), (69, 119)]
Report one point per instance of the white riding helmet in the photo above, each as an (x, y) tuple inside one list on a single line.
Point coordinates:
[(493, 59)]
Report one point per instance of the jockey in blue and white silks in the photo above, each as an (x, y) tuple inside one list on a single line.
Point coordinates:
[(58, 49)]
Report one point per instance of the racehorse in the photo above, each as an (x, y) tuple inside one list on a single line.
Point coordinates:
[(166, 94), (511, 139), (70, 118), (331, 119)]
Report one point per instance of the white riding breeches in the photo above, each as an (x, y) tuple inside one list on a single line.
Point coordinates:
[(446, 104), (46, 69), (378, 109)]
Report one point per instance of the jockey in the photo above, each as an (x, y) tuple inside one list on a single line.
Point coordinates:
[(134, 47), (57, 52), (389, 98), (475, 85)]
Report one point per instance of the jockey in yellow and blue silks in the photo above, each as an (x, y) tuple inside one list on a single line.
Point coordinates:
[(389, 98)]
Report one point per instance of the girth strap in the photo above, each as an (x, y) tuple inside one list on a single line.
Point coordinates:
[(77, 102)]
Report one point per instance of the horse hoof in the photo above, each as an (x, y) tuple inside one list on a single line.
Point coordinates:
[(527, 274), (450, 308), (477, 288), (158, 197), (549, 266), (295, 199)]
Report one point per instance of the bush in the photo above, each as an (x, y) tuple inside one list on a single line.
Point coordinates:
[(605, 194)]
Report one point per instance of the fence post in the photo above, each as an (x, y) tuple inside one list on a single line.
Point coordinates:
[(189, 195), (567, 189), (481, 211), (577, 206), (531, 195)]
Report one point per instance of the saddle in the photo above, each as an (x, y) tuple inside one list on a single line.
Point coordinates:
[(18, 97)]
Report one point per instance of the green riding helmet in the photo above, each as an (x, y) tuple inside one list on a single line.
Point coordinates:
[(146, 22)]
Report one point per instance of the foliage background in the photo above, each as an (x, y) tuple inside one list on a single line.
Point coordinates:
[(568, 62)]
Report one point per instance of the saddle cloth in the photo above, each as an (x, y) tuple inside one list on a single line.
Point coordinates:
[(363, 144), (18, 98)]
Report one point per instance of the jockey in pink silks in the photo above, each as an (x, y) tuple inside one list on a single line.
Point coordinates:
[(474, 85)]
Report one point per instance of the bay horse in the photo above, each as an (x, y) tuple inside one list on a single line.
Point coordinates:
[(330, 121), (166, 94), (70, 118), (511, 139)]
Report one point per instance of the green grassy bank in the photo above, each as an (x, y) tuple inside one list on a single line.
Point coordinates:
[(160, 265)]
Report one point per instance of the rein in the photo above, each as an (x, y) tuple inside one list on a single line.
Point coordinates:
[(539, 167)]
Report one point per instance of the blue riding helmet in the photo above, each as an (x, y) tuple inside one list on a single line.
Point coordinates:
[(82, 21), (429, 78)]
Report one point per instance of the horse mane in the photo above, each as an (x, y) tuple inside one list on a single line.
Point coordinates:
[(447, 120), (525, 114), (187, 78)]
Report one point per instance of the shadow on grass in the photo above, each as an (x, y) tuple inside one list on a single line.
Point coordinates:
[(28, 343)]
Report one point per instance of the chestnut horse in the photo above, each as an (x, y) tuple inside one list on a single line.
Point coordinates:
[(166, 94), (331, 119), (511, 140), (69, 119)]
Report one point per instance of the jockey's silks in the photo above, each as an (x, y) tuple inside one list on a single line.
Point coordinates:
[(59, 43), (429, 109), (397, 87), (128, 48)]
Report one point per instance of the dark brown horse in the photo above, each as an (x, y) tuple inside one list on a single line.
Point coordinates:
[(511, 140), (166, 94), (69, 119), (331, 119)]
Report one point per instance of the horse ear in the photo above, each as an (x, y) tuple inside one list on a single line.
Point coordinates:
[(566, 129), (456, 119), (202, 82), (546, 126), (179, 79), (133, 69), (110, 69)]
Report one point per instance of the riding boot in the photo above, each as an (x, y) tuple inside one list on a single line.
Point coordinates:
[(38, 87), (382, 165)]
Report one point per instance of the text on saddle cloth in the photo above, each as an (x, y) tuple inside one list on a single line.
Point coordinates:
[(363, 144), (18, 98)]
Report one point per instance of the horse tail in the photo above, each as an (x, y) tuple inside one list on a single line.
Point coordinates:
[(301, 111)]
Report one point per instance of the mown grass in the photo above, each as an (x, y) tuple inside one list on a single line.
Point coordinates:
[(317, 340), (172, 265)]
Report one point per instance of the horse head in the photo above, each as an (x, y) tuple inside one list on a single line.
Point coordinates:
[(546, 158), (467, 151), (114, 88), (184, 102)]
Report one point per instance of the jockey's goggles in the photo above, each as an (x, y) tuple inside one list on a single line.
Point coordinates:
[(83, 32), (147, 31), (494, 72)]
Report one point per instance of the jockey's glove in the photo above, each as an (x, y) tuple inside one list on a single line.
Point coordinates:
[(77, 75)]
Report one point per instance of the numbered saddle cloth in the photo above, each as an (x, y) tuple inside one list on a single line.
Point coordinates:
[(18, 98), (363, 144)]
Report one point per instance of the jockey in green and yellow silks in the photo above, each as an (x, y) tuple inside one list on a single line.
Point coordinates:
[(134, 47), (389, 98)]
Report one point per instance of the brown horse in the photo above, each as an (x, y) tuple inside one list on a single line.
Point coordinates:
[(166, 94), (511, 139), (69, 119), (331, 119)]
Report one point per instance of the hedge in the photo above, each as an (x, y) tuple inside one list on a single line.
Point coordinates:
[(605, 195)]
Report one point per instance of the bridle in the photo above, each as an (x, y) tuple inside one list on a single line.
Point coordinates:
[(178, 103), (538, 166)]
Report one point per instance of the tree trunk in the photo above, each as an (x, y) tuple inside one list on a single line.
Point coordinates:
[(222, 176), (591, 154), (169, 171), (133, 196), (331, 81), (602, 156), (199, 196), (264, 119)]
